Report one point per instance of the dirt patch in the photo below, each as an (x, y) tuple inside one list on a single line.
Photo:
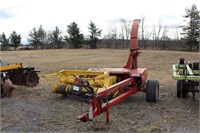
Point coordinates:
[(39, 110)]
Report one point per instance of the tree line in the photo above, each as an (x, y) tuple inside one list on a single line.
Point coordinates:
[(14, 40), (39, 38), (117, 37)]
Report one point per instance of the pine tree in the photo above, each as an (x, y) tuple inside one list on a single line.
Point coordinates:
[(75, 38), (56, 38), (37, 37), (15, 39), (192, 29), (4, 41), (94, 34), (42, 36), (33, 38)]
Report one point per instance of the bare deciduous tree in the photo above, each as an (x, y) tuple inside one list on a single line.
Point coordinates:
[(177, 38), (121, 35), (145, 34), (157, 32), (113, 33), (126, 25), (164, 36), (125, 29), (176, 34), (119, 32)]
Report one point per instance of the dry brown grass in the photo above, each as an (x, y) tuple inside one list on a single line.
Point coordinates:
[(37, 109), (158, 63)]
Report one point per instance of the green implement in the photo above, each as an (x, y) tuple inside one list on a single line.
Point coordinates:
[(187, 76), (184, 72)]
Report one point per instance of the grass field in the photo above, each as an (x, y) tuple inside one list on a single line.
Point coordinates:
[(37, 109), (159, 63)]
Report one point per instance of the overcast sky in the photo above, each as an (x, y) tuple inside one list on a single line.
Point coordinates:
[(23, 15)]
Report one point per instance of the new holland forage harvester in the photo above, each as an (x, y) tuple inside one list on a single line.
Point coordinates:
[(106, 87), (18, 75)]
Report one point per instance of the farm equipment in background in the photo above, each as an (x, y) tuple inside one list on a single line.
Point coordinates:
[(187, 76), (103, 88), (16, 74)]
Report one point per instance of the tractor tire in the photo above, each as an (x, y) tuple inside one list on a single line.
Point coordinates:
[(182, 61), (181, 90), (178, 89), (152, 91)]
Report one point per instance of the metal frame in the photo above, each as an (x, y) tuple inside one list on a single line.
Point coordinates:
[(189, 73), (10, 67)]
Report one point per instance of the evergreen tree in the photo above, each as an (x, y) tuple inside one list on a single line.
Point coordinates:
[(94, 34), (75, 38), (56, 38), (34, 40), (41, 36), (37, 37), (4, 41), (192, 29), (15, 39)]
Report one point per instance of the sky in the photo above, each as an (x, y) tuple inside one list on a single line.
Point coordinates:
[(23, 15)]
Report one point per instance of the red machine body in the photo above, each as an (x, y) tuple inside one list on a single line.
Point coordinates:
[(130, 80)]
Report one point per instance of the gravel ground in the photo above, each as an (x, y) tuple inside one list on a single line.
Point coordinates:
[(39, 110)]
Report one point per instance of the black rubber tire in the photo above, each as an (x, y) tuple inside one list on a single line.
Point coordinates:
[(152, 91), (178, 88), (181, 90), (182, 61), (196, 66)]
